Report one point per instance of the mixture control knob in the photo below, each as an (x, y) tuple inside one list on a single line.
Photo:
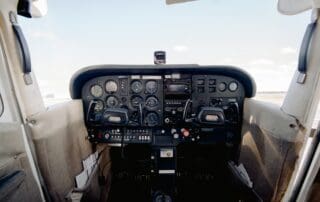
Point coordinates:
[(185, 132)]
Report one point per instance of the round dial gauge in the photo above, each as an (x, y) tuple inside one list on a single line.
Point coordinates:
[(96, 91), (152, 119), (135, 101), (136, 86), (112, 101), (233, 86), (99, 106), (151, 87), (111, 87), (222, 86), (152, 102)]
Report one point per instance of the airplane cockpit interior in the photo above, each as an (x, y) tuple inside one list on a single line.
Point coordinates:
[(159, 132), (168, 129)]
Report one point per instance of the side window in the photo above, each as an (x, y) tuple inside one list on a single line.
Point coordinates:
[(1, 106)]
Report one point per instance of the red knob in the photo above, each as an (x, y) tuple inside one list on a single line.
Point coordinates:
[(185, 132)]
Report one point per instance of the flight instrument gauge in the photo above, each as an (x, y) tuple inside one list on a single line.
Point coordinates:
[(152, 119), (136, 86), (151, 87), (111, 86), (96, 91), (112, 101), (152, 102)]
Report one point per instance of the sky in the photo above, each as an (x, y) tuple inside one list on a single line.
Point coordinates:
[(249, 34)]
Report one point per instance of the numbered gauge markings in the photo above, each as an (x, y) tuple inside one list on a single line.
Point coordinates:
[(112, 101), (152, 119), (152, 103), (96, 91), (151, 87), (111, 86), (136, 86)]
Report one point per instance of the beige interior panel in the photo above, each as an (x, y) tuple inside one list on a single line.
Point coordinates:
[(28, 96), (60, 139), (270, 147), (22, 190), (302, 100), (12, 159)]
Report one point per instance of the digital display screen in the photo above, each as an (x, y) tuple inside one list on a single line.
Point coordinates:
[(177, 88)]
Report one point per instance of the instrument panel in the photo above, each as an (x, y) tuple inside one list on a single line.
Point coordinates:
[(141, 108)]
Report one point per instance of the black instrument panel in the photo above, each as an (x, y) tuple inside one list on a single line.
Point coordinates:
[(140, 97), (167, 104), (138, 108)]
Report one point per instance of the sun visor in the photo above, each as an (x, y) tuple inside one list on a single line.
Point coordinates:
[(292, 7)]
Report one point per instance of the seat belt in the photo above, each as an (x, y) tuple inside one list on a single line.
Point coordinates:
[(304, 49)]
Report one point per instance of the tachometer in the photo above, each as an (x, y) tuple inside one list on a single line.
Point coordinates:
[(111, 86), (136, 86), (112, 101), (96, 91), (151, 87)]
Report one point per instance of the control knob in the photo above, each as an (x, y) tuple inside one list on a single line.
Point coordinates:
[(185, 132)]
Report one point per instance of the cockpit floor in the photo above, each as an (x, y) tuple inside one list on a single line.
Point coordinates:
[(188, 188)]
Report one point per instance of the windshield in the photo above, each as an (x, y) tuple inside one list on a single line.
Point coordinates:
[(249, 34)]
